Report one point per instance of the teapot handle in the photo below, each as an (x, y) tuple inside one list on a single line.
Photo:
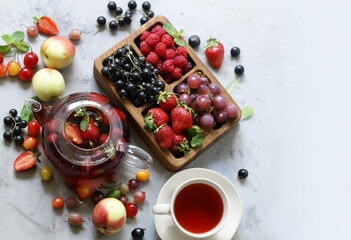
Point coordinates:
[(33, 104), (134, 156)]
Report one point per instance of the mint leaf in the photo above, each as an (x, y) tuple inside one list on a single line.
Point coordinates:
[(197, 141), (195, 130), (247, 112), (179, 42), (181, 31), (22, 46), (7, 39), (17, 36), (26, 113), (84, 123), (80, 112), (170, 29), (5, 49)]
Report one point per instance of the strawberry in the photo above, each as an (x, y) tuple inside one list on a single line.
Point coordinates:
[(181, 118), (73, 134), (180, 145), (92, 131), (164, 135), (166, 101), (214, 52), (46, 25), (155, 117), (26, 160)]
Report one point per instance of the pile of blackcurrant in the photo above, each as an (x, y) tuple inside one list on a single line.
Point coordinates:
[(134, 78), (16, 124), (148, 14)]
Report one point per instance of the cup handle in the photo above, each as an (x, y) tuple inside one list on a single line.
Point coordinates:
[(161, 209), (134, 156)]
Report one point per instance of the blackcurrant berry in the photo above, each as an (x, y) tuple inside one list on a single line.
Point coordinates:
[(121, 21), (101, 21), (118, 61), (146, 74), (243, 173), (105, 71), (127, 67), (194, 41), (111, 5), (156, 71), (112, 67), (8, 121), (119, 53), (136, 76), (23, 124), (160, 85), (239, 70), (119, 84), (13, 112), (125, 76), (141, 59), (142, 96), (146, 5), (138, 234), (7, 135), (17, 131), (132, 5), (235, 51), (148, 87), (119, 11), (151, 98), (143, 20), (116, 75), (148, 65), (123, 93), (113, 25), (128, 12), (154, 91), (128, 18), (107, 61), (190, 64), (150, 14), (137, 102), (130, 87), (18, 140)]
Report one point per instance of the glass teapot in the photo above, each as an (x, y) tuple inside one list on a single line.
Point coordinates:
[(86, 137)]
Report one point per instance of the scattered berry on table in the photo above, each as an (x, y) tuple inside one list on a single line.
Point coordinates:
[(132, 5), (214, 52), (146, 5), (97, 196), (101, 21), (75, 34), (118, 11), (58, 202), (1, 58), (113, 25), (138, 234), (33, 128), (72, 202), (194, 41), (139, 197), (18, 140), (132, 210), (235, 52), (111, 6), (143, 175), (133, 183), (30, 59), (239, 70), (243, 173), (3, 70), (46, 173), (75, 218), (26, 160), (32, 31), (46, 25), (30, 143), (13, 68), (150, 14), (143, 20), (25, 74)]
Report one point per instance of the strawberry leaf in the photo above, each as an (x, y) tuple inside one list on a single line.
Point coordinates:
[(5, 49), (247, 112), (149, 122), (170, 29), (197, 141), (7, 39), (193, 131), (179, 42), (17, 36), (84, 123)]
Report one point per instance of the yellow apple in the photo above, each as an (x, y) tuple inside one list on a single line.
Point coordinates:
[(48, 83)]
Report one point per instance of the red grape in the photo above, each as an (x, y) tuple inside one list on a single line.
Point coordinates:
[(97, 196), (75, 34), (123, 199), (25, 74), (221, 116), (215, 89), (133, 183), (30, 60), (194, 96), (219, 101), (203, 102), (132, 209), (32, 31), (194, 81), (185, 98), (183, 88), (231, 110), (204, 80), (207, 121), (203, 90), (139, 196)]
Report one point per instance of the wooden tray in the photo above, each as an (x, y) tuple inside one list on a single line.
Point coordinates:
[(135, 115)]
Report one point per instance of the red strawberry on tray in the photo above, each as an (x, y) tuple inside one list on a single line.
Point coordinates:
[(46, 25), (166, 101), (181, 117), (164, 135), (155, 117), (214, 52)]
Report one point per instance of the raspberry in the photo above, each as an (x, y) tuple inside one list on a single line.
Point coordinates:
[(181, 51), (144, 48), (186, 68), (144, 35), (174, 45), (167, 39), (159, 66), (180, 61), (168, 65), (168, 79), (152, 39), (160, 49), (158, 29), (170, 54), (152, 58), (177, 73)]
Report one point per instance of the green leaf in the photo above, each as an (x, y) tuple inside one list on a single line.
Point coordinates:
[(26, 113), (179, 42), (5, 49), (24, 47), (17, 36), (181, 31), (170, 29), (80, 112), (193, 131), (7, 39), (84, 123), (197, 141), (247, 112)]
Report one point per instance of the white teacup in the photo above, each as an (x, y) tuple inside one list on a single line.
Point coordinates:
[(194, 188)]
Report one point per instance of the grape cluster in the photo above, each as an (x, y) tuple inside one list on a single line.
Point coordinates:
[(17, 124), (206, 100), (134, 78)]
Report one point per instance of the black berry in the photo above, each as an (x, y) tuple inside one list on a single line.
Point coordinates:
[(18, 140), (132, 5), (23, 124), (138, 234), (143, 20), (243, 173), (111, 5), (101, 21), (123, 93), (194, 41), (121, 21), (150, 14), (13, 112), (105, 71), (119, 11), (113, 25), (17, 131), (7, 135), (146, 5), (8, 121), (239, 70), (235, 51)]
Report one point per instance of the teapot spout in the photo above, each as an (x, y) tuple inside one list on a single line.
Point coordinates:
[(39, 110)]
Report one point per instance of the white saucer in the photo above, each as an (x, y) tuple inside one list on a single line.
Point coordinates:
[(164, 224)]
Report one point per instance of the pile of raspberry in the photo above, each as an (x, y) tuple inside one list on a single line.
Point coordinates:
[(163, 53)]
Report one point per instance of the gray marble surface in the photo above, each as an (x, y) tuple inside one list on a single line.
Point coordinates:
[(296, 146)]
